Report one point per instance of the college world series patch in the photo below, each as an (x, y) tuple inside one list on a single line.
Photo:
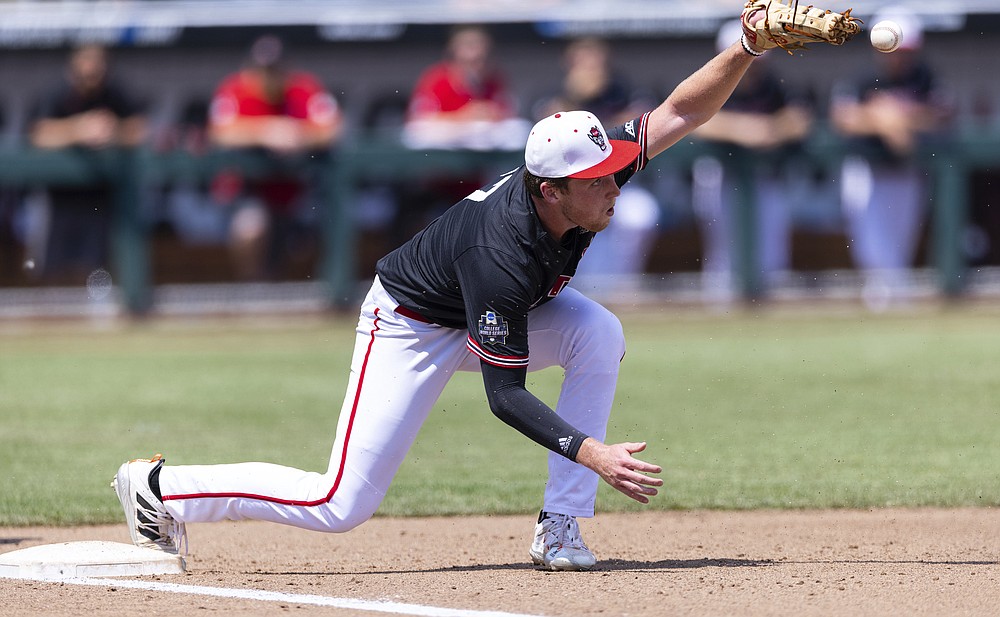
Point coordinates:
[(493, 328)]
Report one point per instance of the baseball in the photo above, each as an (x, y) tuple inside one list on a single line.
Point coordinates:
[(886, 36)]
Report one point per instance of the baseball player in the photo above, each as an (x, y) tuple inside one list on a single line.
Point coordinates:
[(482, 288), (888, 110)]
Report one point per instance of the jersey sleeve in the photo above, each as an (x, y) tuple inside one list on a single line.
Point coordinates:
[(225, 105), (497, 304), (634, 130), (307, 99), (496, 307)]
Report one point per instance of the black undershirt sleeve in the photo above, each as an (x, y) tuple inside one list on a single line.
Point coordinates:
[(514, 405)]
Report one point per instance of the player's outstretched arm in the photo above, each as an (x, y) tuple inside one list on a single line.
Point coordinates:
[(699, 97), (767, 24), (615, 465)]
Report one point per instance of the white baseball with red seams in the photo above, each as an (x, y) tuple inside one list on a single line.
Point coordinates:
[(886, 36), (380, 419)]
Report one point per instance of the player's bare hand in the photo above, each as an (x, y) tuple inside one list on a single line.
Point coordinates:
[(615, 465)]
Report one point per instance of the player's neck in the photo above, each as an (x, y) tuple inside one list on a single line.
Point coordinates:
[(552, 219)]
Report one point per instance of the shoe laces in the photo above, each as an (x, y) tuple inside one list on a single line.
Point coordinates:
[(178, 536), (164, 530), (564, 531)]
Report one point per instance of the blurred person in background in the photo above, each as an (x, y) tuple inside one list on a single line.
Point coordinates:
[(463, 101), (591, 82), (884, 195), (13, 263), (284, 113), (87, 110), (460, 102), (762, 116)]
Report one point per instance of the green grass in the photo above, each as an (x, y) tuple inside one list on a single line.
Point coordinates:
[(769, 410)]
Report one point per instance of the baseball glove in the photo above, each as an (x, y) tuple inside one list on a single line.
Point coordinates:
[(787, 25)]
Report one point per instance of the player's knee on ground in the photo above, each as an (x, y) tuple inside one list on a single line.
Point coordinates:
[(355, 518), (352, 506)]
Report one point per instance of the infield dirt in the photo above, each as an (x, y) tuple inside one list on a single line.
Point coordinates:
[(843, 562)]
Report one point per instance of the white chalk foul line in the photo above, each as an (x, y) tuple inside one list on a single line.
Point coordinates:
[(374, 606)]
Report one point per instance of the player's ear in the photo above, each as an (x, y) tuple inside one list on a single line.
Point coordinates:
[(550, 191)]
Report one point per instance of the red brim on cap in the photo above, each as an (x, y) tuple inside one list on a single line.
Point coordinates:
[(623, 154)]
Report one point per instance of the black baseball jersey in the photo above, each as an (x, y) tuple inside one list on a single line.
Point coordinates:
[(767, 94), (63, 101), (482, 266), (81, 218), (915, 83)]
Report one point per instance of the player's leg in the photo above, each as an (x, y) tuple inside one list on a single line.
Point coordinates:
[(897, 213), (713, 205), (856, 197), (898, 196), (774, 225), (398, 371), (586, 340), (393, 386)]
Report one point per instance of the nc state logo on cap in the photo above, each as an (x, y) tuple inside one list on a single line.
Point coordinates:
[(597, 137), (562, 146)]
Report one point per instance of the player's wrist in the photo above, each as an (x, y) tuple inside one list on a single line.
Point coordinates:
[(749, 48), (585, 453)]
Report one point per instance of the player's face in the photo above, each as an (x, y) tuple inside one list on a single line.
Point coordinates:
[(88, 66), (590, 203)]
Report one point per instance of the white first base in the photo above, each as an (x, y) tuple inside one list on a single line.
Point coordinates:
[(92, 558)]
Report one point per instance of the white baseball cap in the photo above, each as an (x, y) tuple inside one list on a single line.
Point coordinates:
[(574, 144)]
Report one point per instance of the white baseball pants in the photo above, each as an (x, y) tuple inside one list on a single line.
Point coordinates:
[(399, 369), (885, 211), (717, 205)]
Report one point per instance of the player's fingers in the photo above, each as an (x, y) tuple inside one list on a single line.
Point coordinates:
[(644, 483), (629, 474), (635, 446), (638, 465), (643, 489), (635, 489), (647, 481), (637, 495), (647, 467)]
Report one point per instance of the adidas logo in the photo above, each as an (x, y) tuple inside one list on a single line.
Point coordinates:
[(565, 443)]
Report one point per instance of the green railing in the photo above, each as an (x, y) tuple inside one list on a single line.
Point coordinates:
[(948, 160), (31, 168)]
